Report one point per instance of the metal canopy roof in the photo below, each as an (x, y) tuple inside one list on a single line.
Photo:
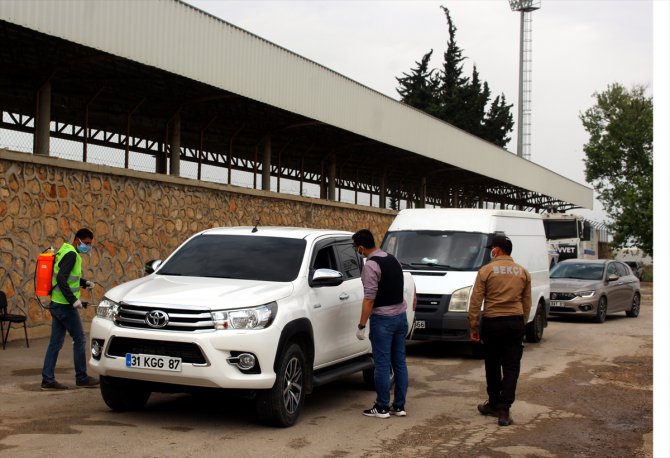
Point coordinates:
[(139, 64)]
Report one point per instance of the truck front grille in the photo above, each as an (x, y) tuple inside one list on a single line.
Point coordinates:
[(188, 352), (164, 318)]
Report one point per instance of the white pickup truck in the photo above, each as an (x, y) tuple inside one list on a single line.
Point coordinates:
[(271, 311)]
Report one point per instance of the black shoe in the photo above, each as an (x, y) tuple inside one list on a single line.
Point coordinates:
[(376, 411), (89, 382), (398, 411), (503, 418), (53, 386), (488, 409)]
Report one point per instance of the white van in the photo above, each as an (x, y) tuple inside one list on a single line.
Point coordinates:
[(444, 249)]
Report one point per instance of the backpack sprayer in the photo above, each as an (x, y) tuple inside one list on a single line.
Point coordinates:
[(43, 277)]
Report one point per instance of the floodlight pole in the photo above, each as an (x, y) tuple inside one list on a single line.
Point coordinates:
[(523, 118)]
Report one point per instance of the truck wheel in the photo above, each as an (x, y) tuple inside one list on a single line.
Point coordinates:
[(369, 378), (281, 405), (121, 395), (535, 329)]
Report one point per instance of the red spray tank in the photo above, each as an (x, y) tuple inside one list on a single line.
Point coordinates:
[(44, 272)]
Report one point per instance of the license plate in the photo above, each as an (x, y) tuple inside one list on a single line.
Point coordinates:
[(419, 324), (159, 363), (555, 304)]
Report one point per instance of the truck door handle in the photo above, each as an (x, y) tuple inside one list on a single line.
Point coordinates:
[(344, 296)]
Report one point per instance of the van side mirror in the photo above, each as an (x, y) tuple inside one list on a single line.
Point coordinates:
[(151, 266)]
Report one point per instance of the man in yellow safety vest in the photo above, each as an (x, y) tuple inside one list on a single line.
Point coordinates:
[(66, 286)]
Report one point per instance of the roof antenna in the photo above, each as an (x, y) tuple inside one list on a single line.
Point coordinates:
[(255, 229)]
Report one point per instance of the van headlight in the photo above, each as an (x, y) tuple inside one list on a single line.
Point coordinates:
[(459, 300), (107, 309), (249, 318)]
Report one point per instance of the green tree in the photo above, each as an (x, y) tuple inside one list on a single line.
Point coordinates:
[(417, 87), (457, 99), (619, 161)]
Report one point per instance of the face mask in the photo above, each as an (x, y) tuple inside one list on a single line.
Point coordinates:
[(83, 248)]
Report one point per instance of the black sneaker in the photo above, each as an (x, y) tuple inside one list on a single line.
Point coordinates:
[(376, 411), (398, 411), (53, 386), (89, 382), (503, 418), (488, 409)]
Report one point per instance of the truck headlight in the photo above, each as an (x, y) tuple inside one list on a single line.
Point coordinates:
[(250, 318), (107, 309), (459, 300)]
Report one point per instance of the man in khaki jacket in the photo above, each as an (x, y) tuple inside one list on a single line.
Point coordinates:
[(504, 288)]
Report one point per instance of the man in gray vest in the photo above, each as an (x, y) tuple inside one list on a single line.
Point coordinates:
[(65, 300), (385, 307)]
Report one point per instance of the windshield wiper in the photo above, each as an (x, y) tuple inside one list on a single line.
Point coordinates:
[(434, 264)]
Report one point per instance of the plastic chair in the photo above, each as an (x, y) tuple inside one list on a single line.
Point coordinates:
[(10, 318)]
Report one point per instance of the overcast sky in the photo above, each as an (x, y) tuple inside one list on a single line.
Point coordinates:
[(578, 47)]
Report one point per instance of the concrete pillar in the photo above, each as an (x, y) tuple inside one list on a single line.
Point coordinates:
[(267, 164), (175, 146), (422, 192), (42, 137), (332, 174), (382, 190)]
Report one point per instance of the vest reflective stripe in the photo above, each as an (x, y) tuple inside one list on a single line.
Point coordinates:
[(72, 280)]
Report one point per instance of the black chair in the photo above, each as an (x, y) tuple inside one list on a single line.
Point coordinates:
[(9, 318)]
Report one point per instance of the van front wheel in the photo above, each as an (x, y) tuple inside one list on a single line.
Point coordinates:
[(535, 329)]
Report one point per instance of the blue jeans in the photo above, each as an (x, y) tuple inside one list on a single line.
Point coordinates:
[(65, 318), (387, 334)]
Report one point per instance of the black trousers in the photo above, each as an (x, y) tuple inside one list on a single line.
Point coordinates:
[(503, 348)]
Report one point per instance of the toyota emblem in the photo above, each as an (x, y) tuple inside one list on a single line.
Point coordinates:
[(157, 319)]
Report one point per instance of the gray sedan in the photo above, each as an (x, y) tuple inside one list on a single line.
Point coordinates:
[(593, 288)]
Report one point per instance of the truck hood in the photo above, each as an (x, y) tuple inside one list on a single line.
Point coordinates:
[(213, 293), (440, 282)]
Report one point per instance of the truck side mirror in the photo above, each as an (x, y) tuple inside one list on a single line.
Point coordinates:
[(326, 277), (151, 266)]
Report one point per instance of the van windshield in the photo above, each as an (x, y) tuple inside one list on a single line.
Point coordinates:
[(438, 250)]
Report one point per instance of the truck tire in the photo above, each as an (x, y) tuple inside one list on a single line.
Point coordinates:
[(535, 329), (281, 405), (369, 378), (121, 395)]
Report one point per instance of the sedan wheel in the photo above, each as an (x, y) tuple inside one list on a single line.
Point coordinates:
[(634, 307), (601, 312)]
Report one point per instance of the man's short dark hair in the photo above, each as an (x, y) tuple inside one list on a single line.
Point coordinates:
[(83, 233), (364, 238), (501, 241)]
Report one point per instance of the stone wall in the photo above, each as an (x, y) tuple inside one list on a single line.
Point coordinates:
[(135, 217)]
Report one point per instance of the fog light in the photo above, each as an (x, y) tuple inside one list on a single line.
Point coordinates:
[(96, 348), (585, 307), (245, 361)]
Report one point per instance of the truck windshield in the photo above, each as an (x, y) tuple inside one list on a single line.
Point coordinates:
[(561, 229), (237, 256), (438, 250)]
